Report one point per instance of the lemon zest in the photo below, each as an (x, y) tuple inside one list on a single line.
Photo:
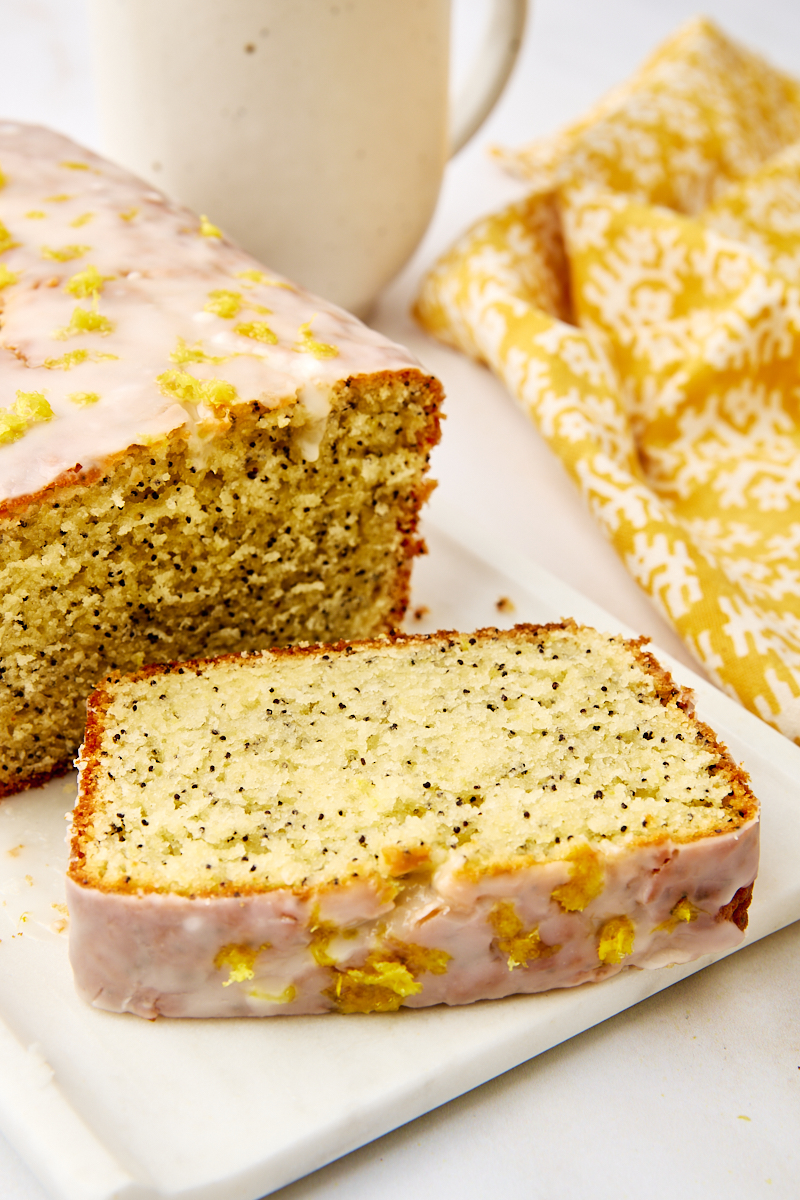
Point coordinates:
[(393, 975), (29, 408), (6, 239), (381, 986), (240, 961), (286, 997), (321, 934), (208, 228), (252, 277), (12, 426), (419, 959), (585, 883), (223, 303), (65, 253), (188, 354), (85, 320), (33, 406), (520, 946), (216, 393), (309, 345), (684, 910), (615, 940), (66, 361), (87, 283), (259, 331)]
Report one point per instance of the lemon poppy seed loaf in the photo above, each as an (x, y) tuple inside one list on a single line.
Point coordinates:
[(402, 821), (195, 455)]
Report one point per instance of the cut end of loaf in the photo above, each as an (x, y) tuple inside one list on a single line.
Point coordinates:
[(167, 554)]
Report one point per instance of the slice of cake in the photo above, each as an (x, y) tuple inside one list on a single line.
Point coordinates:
[(404, 821), (195, 456)]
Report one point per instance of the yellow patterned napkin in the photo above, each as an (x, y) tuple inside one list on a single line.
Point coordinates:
[(643, 304)]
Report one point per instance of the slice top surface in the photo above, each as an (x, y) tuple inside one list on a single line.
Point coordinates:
[(307, 767)]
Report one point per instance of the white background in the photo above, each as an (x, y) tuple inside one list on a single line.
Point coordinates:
[(696, 1092)]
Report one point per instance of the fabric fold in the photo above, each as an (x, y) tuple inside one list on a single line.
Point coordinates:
[(643, 304)]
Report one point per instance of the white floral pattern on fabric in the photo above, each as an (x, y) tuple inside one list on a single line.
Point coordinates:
[(701, 113), (643, 304)]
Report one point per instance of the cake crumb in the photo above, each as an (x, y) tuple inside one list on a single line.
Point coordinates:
[(61, 925)]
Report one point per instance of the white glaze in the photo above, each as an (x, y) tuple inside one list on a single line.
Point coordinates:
[(154, 954), (162, 270)]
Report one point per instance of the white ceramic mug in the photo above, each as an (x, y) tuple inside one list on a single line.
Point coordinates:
[(313, 132)]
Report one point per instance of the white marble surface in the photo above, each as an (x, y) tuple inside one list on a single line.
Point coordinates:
[(696, 1092)]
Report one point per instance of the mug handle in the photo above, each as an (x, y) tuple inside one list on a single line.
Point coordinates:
[(489, 72)]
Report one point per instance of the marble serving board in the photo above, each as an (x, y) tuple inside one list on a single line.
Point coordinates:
[(103, 1106)]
